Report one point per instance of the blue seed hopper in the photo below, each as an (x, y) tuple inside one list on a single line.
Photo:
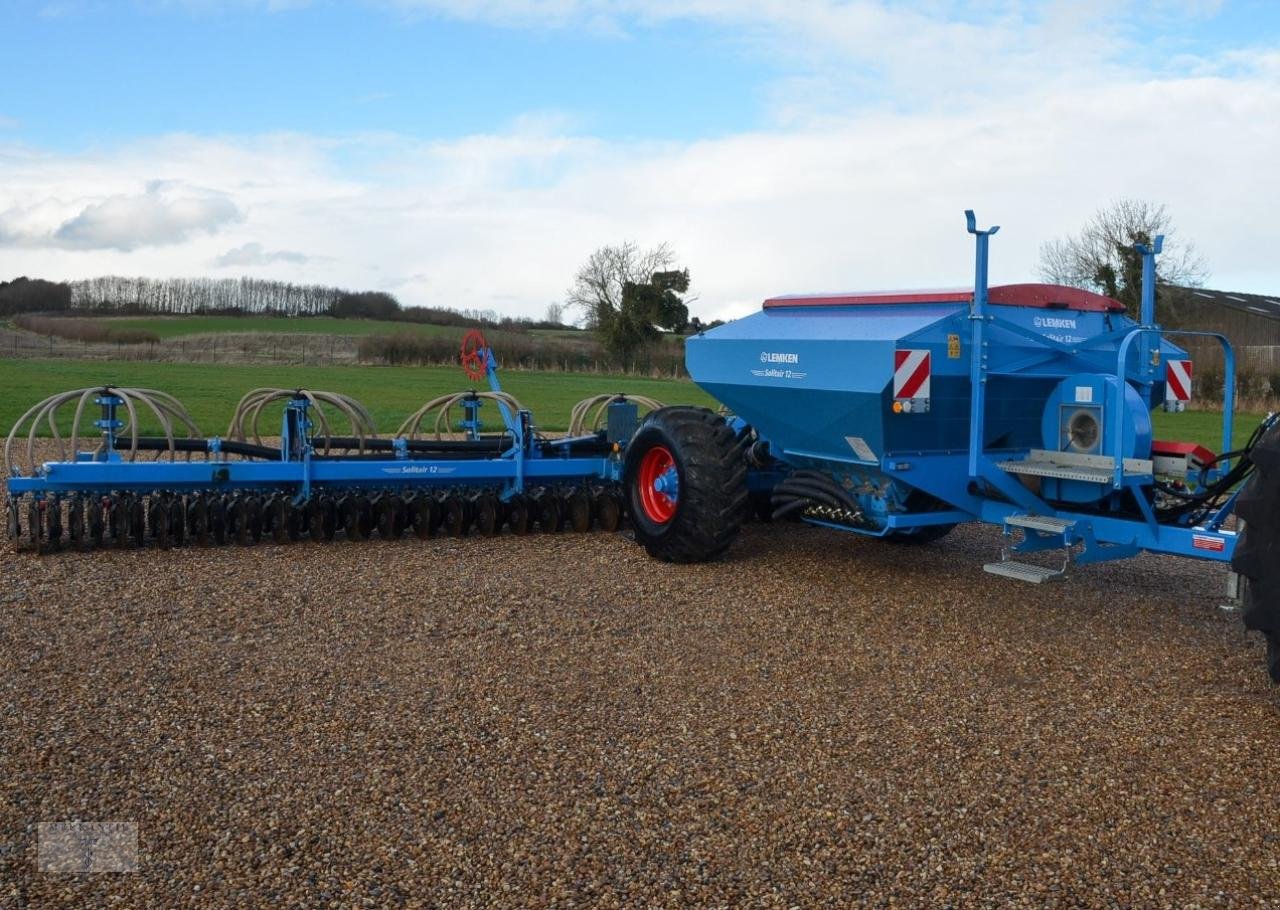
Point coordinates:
[(1013, 404)]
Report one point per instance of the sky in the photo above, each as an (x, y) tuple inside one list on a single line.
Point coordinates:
[(472, 153)]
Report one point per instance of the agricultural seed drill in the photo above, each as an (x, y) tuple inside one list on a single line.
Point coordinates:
[(895, 415)]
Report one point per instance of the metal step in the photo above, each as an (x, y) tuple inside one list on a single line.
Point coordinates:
[(1074, 466), (1024, 571), (1061, 472), (1049, 524)]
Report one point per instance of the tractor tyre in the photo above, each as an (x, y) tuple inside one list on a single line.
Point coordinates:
[(1257, 553), (686, 484), (761, 507)]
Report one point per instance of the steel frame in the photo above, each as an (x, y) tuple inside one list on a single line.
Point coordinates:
[(520, 465)]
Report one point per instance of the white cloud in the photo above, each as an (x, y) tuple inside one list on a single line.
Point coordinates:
[(253, 254), (165, 213), (842, 55)]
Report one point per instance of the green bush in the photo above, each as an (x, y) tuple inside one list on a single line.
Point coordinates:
[(1208, 384)]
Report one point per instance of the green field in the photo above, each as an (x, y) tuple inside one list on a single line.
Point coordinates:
[(1205, 427), (179, 326), (210, 392)]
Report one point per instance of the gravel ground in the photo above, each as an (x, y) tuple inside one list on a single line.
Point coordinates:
[(817, 720)]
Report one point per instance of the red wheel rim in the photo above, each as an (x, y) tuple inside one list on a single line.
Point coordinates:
[(473, 344), (658, 506)]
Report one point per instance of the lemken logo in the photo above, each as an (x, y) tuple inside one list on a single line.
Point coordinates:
[(772, 357), (1050, 322)]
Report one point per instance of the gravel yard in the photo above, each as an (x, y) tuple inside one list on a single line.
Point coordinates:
[(817, 720)]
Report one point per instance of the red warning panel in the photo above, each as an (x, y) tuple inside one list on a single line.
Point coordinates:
[(1208, 542), (1177, 380), (910, 374)]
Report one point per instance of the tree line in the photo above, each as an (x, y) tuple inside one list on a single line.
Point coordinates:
[(120, 296), (222, 296)]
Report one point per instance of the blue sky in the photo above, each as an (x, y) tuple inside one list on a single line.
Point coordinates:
[(472, 152), (121, 69)]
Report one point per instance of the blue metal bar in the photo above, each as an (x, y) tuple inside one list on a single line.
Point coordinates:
[(1228, 388), (1116, 437), (491, 373), (1149, 253), (224, 476), (903, 520), (977, 344), (1148, 366), (109, 424)]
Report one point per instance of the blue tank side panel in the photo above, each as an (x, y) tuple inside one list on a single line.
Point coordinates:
[(809, 379)]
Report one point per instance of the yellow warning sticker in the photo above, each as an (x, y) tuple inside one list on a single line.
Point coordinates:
[(953, 347)]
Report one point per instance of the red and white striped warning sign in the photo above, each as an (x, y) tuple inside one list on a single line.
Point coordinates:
[(910, 374), (1177, 380), (1208, 542)]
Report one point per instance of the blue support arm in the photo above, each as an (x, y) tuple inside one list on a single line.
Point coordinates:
[(977, 344)]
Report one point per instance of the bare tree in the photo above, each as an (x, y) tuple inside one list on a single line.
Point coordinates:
[(555, 313), (1101, 257), (597, 288)]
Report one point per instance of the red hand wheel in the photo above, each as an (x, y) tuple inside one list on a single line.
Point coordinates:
[(474, 354)]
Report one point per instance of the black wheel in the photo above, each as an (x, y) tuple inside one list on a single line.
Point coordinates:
[(457, 516), (53, 525), (94, 525), (118, 518), (75, 520), (274, 518), (424, 515), (246, 520), (488, 512), (177, 522), (137, 521), (322, 518), (158, 522), (14, 523), (218, 521), (608, 510), (198, 520), (686, 484), (550, 513), (390, 510), (1257, 553), (286, 523), (357, 517), (35, 521), (578, 509), (518, 515)]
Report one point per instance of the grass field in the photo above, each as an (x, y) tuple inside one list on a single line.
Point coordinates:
[(210, 392), (1205, 427)]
